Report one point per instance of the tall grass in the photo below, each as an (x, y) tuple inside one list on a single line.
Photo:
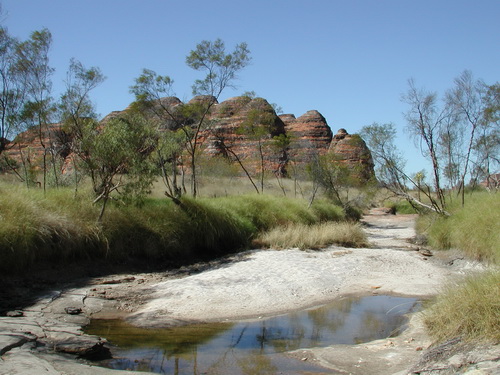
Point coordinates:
[(315, 236), (60, 228), (30, 231), (474, 228), (470, 310)]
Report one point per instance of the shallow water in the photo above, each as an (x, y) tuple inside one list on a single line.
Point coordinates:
[(253, 347)]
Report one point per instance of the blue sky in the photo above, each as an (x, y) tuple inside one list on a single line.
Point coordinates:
[(349, 59)]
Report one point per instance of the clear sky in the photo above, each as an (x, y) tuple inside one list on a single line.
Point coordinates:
[(348, 59)]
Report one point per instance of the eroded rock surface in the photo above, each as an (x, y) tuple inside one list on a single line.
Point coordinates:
[(238, 128)]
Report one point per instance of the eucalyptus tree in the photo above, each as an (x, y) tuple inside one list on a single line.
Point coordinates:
[(35, 75), (259, 126), (466, 102), (117, 156), (191, 119), (12, 91), (425, 118), (390, 168), (77, 111), (487, 145)]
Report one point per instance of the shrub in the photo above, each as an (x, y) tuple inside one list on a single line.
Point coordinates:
[(400, 207)]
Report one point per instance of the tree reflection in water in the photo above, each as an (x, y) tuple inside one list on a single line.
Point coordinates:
[(253, 347)]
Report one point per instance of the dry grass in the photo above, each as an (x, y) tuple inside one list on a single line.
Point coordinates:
[(470, 309), (314, 236)]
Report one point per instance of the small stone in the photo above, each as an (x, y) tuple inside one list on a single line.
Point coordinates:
[(96, 352), (425, 252), (72, 310), (15, 314)]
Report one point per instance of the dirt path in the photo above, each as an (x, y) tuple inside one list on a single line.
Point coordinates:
[(245, 286)]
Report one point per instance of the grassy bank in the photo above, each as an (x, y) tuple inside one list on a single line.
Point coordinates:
[(474, 228), (469, 309), (59, 228)]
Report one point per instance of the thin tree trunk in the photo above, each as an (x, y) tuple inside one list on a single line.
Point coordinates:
[(244, 169), (26, 177), (261, 168)]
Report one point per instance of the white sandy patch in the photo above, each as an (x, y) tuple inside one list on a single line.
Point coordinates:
[(272, 282)]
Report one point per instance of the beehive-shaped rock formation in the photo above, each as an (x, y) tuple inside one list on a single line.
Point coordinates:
[(239, 127)]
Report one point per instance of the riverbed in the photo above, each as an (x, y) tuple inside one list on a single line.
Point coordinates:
[(251, 285)]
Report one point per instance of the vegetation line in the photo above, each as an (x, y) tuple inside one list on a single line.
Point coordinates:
[(59, 229)]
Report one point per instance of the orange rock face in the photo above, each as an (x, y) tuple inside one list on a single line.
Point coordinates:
[(352, 151), (30, 146), (310, 135), (241, 129)]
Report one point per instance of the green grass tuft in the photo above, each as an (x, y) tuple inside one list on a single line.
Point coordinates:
[(470, 310), (400, 207)]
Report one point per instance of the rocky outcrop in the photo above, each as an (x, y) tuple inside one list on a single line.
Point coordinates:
[(351, 150), (310, 135), (240, 129), (30, 146)]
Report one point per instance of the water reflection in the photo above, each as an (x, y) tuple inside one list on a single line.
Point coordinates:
[(253, 347)]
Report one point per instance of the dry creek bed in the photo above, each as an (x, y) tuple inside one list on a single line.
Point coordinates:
[(47, 336)]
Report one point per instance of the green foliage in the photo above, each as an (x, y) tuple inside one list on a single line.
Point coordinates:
[(32, 65), (75, 105), (356, 141), (221, 68), (470, 310), (117, 157), (332, 175), (12, 90), (400, 207), (281, 142), (7, 164)]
